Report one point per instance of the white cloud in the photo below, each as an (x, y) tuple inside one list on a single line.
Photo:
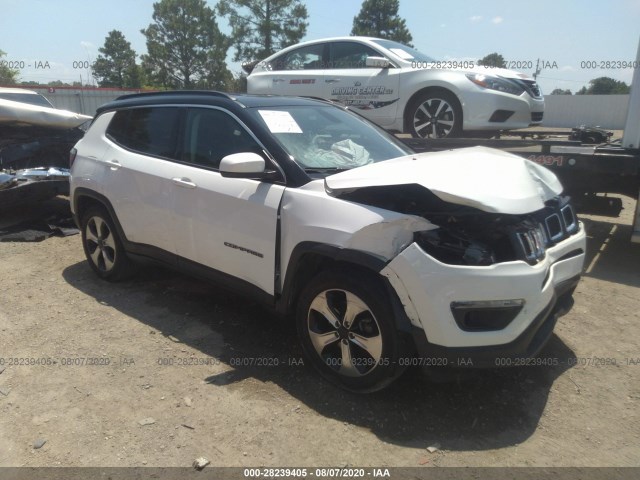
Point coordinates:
[(497, 20), (86, 44), (475, 18)]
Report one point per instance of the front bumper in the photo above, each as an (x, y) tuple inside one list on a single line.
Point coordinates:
[(479, 106), (427, 289)]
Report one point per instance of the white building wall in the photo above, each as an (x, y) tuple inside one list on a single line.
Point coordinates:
[(606, 111)]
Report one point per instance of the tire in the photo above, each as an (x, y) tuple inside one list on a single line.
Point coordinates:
[(434, 114), (103, 246), (366, 338)]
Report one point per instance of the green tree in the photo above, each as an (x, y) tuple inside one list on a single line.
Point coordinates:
[(262, 27), (185, 47), (8, 76), (116, 64), (604, 86), (559, 91), (494, 60), (379, 18)]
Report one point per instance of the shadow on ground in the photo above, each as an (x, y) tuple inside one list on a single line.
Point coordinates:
[(611, 255), (491, 409)]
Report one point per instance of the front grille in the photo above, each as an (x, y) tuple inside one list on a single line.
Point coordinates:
[(529, 242), (536, 116), (558, 221), (533, 88)]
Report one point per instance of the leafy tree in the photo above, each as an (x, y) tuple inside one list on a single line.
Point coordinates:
[(185, 47), (494, 60), (379, 18), (559, 91), (262, 27), (8, 76), (604, 86), (116, 64)]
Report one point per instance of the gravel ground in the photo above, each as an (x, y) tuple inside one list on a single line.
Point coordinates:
[(149, 372)]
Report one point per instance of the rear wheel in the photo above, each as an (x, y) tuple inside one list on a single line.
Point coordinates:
[(102, 245), (347, 331), (434, 114)]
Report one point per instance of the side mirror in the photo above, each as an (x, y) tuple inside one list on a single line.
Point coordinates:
[(377, 62), (246, 165), (242, 165)]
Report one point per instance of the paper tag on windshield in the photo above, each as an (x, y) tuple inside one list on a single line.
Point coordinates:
[(280, 122)]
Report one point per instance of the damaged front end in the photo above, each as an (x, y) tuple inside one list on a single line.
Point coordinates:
[(32, 185), (29, 146), (499, 264), (469, 236)]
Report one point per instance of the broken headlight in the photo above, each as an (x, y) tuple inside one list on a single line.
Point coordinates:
[(454, 249)]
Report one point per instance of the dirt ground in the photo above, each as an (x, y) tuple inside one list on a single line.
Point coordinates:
[(149, 372)]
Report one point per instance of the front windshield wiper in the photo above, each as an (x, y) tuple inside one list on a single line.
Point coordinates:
[(325, 169)]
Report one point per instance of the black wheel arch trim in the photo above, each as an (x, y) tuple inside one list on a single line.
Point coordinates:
[(285, 303)]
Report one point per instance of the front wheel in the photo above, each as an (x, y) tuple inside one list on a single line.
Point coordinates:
[(347, 331), (434, 114)]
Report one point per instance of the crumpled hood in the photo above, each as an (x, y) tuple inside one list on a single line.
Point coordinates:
[(484, 178), (18, 113)]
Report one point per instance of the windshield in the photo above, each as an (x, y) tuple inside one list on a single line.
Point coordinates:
[(30, 98), (327, 138), (404, 52)]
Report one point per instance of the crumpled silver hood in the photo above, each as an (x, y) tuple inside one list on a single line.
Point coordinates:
[(18, 113), (484, 178)]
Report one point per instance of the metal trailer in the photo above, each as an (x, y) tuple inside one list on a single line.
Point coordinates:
[(583, 168)]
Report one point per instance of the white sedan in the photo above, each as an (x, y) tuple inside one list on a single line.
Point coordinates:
[(402, 89)]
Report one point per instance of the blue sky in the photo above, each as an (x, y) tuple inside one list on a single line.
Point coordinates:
[(562, 33)]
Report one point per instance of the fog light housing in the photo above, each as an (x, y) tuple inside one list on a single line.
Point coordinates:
[(486, 315)]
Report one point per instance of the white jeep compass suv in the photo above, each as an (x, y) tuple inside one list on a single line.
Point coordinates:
[(381, 256)]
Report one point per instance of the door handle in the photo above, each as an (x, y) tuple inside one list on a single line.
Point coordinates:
[(183, 182), (113, 164), (332, 80)]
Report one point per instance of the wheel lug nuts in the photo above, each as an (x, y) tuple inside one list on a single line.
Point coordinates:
[(352, 336)]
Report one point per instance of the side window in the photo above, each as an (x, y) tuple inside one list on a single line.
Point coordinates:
[(350, 55), (152, 131), (304, 58), (213, 134)]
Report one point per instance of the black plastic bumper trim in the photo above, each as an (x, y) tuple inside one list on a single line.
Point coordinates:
[(527, 345)]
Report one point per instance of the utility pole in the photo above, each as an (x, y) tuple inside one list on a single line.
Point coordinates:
[(537, 72)]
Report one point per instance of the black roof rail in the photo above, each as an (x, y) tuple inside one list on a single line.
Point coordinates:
[(212, 93)]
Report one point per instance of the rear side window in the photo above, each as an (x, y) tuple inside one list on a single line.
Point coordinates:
[(303, 58), (152, 131)]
